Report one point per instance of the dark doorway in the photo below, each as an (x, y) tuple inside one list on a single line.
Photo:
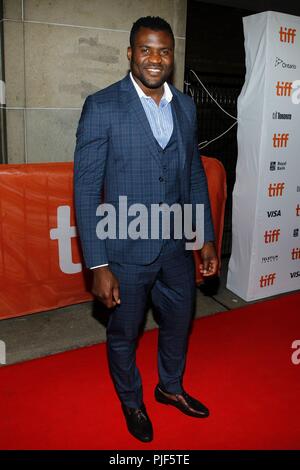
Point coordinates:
[(215, 51)]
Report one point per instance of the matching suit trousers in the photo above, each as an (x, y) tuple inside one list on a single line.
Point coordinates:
[(170, 281)]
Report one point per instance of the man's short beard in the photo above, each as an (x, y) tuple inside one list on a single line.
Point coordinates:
[(152, 85)]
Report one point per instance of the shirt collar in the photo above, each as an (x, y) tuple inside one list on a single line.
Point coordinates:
[(168, 95)]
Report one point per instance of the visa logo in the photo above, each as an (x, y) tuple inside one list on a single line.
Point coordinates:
[(274, 213)]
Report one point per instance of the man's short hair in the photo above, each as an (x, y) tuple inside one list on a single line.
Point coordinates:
[(152, 22)]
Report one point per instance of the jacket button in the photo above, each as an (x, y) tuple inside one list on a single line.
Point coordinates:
[(161, 179)]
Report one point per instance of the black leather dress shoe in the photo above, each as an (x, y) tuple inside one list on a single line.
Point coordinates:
[(184, 402), (138, 423)]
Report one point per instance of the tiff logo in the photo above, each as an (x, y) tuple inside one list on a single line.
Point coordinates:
[(295, 253), (295, 358), (287, 35), (2, 352), (280, 140), (275, 189), (284, 88), (267, 280), (64, 233), (298, 210), (272, 236)]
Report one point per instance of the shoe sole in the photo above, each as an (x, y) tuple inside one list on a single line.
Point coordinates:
[(139, 438)]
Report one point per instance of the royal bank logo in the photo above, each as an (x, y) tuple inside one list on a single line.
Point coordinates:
[(272, 166), (276, 213), (287, 35), (284, 88), (296, 233), (284, 65), (267, 280), (278, 115), (277, 166), (295, 254)]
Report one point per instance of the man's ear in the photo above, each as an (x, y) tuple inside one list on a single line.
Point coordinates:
[(129, 53)]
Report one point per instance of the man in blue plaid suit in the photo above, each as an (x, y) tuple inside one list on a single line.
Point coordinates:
[(137, 138)]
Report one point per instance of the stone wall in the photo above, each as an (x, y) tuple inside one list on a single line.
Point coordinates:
[(56, 52)]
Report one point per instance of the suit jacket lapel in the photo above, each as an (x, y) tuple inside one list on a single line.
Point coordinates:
[(137, 111), (134, 106), (180, 120)]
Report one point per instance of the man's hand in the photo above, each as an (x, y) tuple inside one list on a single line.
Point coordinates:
[(210, 262), (106, 287)]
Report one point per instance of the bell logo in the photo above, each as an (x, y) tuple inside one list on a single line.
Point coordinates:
[(295, 274), (295, 253), (280, 140), (298, 210), (267, 280), (287, 35), (272, 236), (284, 88), (64, 233), (275, 189)]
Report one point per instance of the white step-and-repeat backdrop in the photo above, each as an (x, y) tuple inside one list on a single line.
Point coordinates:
[(265, 257)]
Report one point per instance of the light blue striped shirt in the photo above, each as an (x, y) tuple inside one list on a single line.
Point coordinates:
[(159, 117)]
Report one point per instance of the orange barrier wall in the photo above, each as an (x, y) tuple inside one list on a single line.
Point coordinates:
[(30, 273), (40, 256), (217, 189)]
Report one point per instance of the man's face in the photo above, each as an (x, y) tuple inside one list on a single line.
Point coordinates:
[(151, 58)]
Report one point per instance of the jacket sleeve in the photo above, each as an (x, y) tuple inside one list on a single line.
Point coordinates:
[(199, 190), (89, 172)]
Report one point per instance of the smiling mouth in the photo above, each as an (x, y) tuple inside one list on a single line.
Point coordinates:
[(153, 70)]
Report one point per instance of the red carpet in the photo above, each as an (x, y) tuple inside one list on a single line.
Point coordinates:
[(239, 364)]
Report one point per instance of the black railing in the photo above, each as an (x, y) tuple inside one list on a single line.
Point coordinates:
[(212, 122)]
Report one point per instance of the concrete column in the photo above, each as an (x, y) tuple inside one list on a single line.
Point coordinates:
[(56, 53)]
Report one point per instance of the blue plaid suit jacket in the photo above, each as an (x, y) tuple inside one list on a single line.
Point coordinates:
[(115, 156)]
